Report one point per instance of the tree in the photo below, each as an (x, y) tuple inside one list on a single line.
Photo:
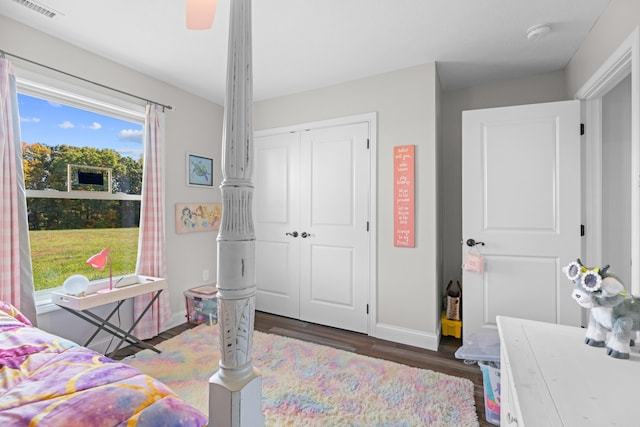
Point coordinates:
[(46, 168), (128, 176), (35, 163)]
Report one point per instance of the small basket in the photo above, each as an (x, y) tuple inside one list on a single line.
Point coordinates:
[(454, 301)]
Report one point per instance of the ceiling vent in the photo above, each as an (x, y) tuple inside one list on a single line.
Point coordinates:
[(37, 8)]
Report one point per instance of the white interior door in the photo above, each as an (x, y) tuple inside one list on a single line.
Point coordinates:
[(277, 217), (312, 225), (521, 197), (334, 217)]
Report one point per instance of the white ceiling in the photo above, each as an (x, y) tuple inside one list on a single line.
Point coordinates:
[(300, 45)]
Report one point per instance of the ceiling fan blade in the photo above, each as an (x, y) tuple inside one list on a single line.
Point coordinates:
[(200, 14)]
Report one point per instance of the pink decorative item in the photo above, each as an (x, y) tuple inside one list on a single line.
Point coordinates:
[(99, 261), (473, 262), (404, 196)]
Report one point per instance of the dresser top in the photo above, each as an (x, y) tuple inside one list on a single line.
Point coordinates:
[(560, 381)]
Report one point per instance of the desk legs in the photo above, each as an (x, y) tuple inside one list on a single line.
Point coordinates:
[(103, 322), (135, 323), (116, 331)]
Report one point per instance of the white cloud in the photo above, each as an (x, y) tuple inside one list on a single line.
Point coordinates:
[(54, 104), (30, 119), (66, 125), (130, 135), (95, 126)]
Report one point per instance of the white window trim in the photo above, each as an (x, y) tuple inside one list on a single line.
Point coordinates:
[(35, 84), (88, 195)]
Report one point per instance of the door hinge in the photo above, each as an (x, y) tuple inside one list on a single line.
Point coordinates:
[(367, 308), (581, 128), (367, 143), (581, 230), (367, 225)]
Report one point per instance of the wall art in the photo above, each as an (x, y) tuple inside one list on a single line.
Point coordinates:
[(194, 217), (199, 170)]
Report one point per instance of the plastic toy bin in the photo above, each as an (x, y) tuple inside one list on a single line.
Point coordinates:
[(484, 348), (202, 304)]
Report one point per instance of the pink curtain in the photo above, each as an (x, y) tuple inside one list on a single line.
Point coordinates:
[(16, 278), (151, 244)]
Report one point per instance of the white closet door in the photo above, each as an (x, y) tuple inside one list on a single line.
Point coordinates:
[(334, 215), (277, 217)]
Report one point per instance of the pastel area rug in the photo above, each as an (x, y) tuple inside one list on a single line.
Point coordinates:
[(306, 384)]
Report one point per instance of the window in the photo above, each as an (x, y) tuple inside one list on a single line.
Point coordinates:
[(82, 160)]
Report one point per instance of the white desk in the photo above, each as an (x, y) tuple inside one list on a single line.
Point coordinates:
[(130, 287), (549, 377)]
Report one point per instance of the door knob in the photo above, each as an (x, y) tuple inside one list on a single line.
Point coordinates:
[(292, 234), (304, 235), (471, 243)]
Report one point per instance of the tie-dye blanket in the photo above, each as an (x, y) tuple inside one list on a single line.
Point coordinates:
[(46, 380)]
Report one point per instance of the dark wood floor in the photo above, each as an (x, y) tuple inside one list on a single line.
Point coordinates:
[(442, 361)]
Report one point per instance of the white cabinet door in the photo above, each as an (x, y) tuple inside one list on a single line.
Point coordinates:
[(312, 225), (521, 197)]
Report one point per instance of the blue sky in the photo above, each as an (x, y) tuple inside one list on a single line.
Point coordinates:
[(52, 124)]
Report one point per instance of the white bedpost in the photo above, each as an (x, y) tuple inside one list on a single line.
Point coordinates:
[(235, 390)]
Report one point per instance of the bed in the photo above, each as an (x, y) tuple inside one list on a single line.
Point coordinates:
[(46, 380)]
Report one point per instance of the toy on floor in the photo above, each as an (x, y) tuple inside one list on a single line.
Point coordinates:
[(612, 310)]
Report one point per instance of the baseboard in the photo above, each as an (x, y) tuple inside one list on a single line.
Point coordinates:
[(407, 336), (105, 344), (178, 319)]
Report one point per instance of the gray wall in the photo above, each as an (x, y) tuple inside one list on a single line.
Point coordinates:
[(617, 22), (406, 103), (541, 88), (195, 125)]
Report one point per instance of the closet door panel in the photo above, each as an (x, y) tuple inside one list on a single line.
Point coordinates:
[(276, 212), (331, 188), (312, 225), (332, 276), (334, 257)]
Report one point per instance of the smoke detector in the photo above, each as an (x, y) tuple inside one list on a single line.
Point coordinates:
[(538, 31)]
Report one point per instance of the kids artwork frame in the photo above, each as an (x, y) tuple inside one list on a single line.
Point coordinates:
[(195, 217)]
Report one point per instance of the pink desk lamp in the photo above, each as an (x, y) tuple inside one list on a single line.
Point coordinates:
[(99, 261)]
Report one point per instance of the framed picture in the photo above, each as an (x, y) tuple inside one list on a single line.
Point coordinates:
[(194, 217), (199, 170)]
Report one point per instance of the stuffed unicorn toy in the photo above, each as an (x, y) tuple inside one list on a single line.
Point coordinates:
[(611, 309)]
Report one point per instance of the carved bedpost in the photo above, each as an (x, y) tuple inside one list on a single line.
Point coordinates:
[(235, 390)]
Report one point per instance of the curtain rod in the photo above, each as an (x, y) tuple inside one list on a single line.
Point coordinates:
[(164, 107)]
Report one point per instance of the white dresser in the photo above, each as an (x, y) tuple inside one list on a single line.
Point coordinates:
[(549, 377)]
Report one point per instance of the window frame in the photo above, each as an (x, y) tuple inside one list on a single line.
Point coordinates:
[(66, 93)]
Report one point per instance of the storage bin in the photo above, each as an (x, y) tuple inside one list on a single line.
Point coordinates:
[(484, 348), (451, 327), (202, 304), (491, 381)]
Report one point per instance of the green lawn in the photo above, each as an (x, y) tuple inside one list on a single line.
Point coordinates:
[(58, 254)]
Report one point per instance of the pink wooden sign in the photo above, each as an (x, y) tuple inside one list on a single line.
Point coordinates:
[(403, 195)]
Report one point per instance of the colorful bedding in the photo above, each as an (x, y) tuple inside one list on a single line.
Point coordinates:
[(46, 380)]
